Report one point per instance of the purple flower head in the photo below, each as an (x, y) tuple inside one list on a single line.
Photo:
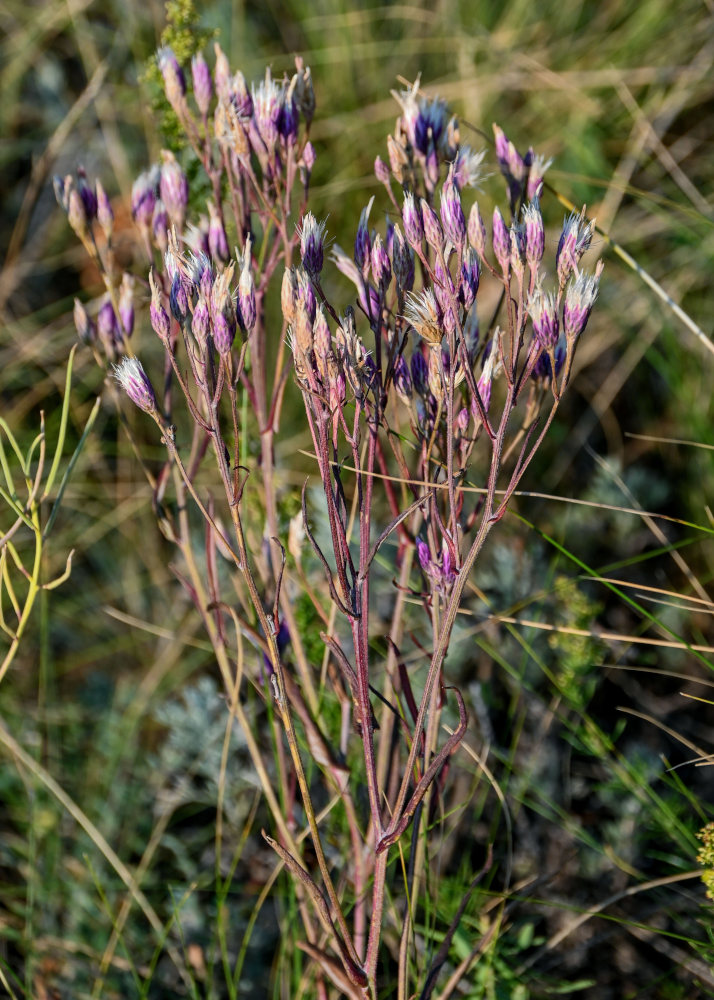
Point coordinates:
[(105, 213), (86, 328), (575, 239), (88, 196), (432, 226), (202, 83), (126, 303), (424, 555), (543, 368), (543, 310), (136, 384), (288, 116), (413, 225), (420, 372), (143, 196), (467, 167), (381, 268), (535, 234), (501, 241), (580, 297), (402, 379), (363, 244), (470, 274), (536, 173), (174, 80), (452, 214), (174, 189), (246, 291), (448, 572), (476, 230), (429, 124), (160, 322), (312, 244)]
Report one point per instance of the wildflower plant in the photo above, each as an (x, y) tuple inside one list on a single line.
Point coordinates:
[(424, 416)]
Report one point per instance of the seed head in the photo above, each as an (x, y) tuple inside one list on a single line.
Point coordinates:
[(422, 312), (136, 384)]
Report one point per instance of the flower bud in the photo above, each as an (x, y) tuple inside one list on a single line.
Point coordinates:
[(535, 234), (420, 372), (381, 268), (432, 226), (398, 159), (402, 379), (126, 303), (452, 214), (304, 91), (471, 334), (288, 295), (424, 555), (413, 225), (202, 85), (470, 275), (174, 80), (246, 291), (86, 329), (381, 171), (143, 197), (363, 244), (477, 230), (160, 227), (402, 262), (77, 214), (136, 384), (160, 322), (501, 242), (217, 239), (174, 189), (201, 321), (223, 310), (87, 195), (105, 213), (107, 324), (222, 71)]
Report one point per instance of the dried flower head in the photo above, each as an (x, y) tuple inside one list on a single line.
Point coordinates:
[(136, 384), (422, 312)]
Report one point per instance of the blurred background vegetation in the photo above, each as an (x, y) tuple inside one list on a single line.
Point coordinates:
[(113, 694)]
